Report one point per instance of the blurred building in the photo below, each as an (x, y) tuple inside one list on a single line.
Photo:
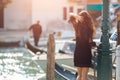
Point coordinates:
[(20, 14), (16, 15)]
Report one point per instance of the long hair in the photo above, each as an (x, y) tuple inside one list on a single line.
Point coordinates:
[(87, 28)]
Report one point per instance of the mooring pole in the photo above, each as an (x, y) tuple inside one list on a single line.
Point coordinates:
[(50, 58), (118, 29)]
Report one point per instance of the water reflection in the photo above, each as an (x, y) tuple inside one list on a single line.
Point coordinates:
[(16, 64)]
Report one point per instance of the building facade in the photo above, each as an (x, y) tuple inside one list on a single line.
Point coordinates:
[(20, 14), (17, 14)]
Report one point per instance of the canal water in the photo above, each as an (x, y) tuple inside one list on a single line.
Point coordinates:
[(16, 64)]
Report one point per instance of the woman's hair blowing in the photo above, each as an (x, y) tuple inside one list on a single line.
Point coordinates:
[(88, 25)]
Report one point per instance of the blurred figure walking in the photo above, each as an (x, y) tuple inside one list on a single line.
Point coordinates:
[(37, 30)]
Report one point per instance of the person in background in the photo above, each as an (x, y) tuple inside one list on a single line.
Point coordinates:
[(37, 30), (114, 36), (84, 32)]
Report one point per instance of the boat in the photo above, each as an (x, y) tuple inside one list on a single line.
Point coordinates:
[(33, 48), (65, 74), (9, 43)]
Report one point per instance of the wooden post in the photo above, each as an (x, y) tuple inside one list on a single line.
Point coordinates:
[(118, 29), (50, 58)]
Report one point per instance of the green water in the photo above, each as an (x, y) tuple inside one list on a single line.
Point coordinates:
[(17, 64)]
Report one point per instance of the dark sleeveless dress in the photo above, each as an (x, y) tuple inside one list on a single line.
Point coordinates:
[(82, 53)]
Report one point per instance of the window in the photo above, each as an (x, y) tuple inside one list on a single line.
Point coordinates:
[(71, 9), (1, 17), (78, 10), (64, 13)]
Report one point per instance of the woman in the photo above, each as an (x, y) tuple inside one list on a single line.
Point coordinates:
[(84, 31)]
